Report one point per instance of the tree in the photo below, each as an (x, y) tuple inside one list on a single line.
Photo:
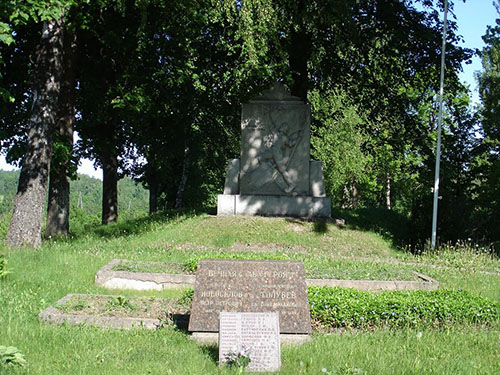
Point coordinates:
[(489, 165), (62, 163), (26, 223)]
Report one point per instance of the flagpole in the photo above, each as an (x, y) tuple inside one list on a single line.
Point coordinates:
[(440, 122)]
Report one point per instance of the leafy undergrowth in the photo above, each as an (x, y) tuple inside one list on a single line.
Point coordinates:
[(350, 308), (330, 308)]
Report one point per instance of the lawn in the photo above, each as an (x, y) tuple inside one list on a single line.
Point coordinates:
[(39, 278)]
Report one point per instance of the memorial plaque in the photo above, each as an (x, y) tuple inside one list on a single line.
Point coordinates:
[(250, 286), (256, 334)]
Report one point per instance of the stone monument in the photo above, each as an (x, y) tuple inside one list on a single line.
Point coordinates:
[(274, 175)]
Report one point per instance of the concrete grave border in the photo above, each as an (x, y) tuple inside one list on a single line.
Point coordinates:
[(110, 279), (53, 315)]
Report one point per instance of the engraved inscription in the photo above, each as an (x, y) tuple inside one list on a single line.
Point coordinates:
[(250, 285), (259, 332)]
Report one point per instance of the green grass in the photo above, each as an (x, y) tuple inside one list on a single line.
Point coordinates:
[(334, 269), (39, 278)]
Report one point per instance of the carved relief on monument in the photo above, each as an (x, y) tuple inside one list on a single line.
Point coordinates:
[(275, 146)]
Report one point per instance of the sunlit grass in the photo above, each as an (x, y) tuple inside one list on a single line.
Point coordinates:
[(68, 265)]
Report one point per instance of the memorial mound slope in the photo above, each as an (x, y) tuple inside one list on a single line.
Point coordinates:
[(39, 278)]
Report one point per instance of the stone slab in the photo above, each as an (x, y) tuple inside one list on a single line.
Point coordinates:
[(275, 143), (258, 333), (250, 286), (274, 205), (226, 204)]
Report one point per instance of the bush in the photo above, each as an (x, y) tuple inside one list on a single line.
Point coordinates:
[(339, 307), (10, 357), (187, 297), (3, 267)]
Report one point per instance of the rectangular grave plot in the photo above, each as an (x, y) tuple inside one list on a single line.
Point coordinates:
[(250, 286), (257, 334)]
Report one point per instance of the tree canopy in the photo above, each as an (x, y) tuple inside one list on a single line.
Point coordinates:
[(157, 88)]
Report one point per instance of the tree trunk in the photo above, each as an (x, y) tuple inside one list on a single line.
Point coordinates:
[(109, 188), (59, 186), (388, 191), (184, 176), (299, 53), (26, 223), (344, 203), (354, 194)]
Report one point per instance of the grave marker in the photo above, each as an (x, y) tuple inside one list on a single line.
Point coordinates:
[(257, 332), (250, 286)]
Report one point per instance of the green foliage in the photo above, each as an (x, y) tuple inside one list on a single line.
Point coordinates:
[(69, 266), (338, 307), (488, 165), (86, 198), (8, 189), (191, 265), (120, 302), (10, 356), (337, 141), (239, 358), (4, 271), (187, 297)]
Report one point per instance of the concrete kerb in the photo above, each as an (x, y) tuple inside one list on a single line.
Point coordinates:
[(53, 315), (108, 278)]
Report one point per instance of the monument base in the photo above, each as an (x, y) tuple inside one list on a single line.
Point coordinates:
[(273, 205)]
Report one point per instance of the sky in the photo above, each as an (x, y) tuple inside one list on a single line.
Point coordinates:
[(472, 18)]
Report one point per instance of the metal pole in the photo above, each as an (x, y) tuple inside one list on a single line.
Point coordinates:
[(440, 122)]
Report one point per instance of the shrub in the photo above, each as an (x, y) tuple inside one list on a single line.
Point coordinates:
[(10, 356), (3, 267), (187, 297), (339, 307)]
